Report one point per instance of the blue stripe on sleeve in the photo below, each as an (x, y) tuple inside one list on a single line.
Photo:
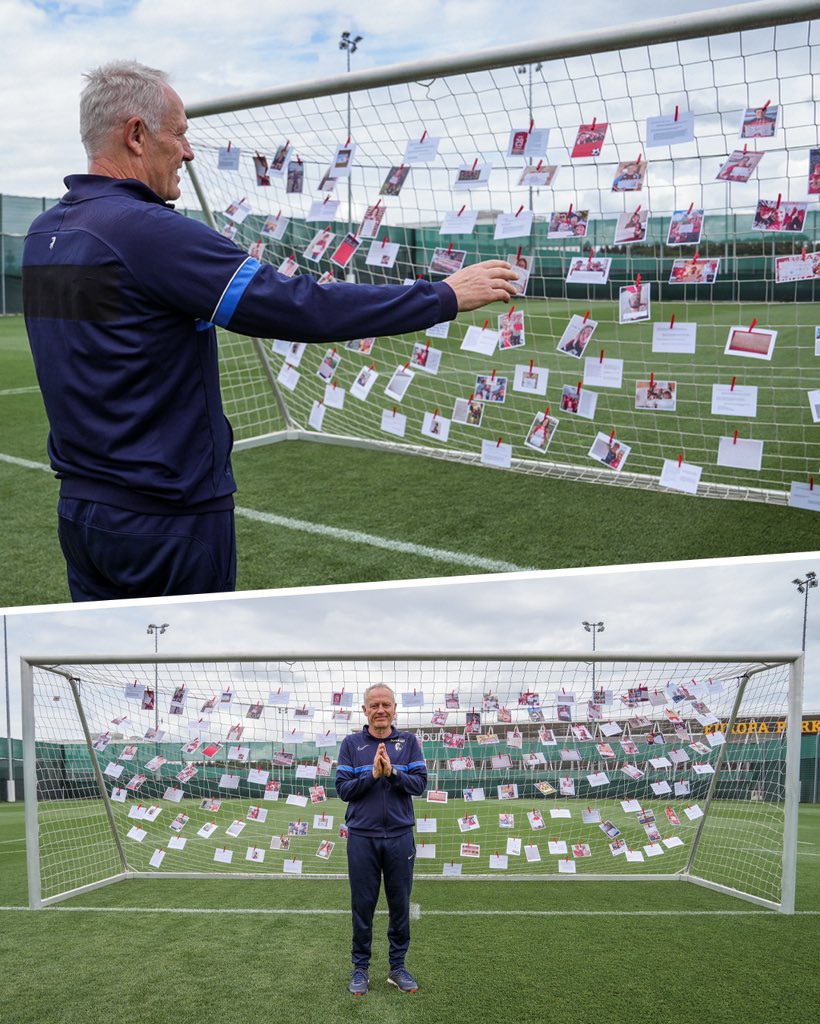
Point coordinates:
[(344, 768), (409, 767), (226, 307)]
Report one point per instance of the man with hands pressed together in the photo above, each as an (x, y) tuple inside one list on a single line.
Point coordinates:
[(380, 770)]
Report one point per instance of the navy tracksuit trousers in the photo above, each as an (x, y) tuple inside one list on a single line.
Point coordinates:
[(112, 553), (369, 858)]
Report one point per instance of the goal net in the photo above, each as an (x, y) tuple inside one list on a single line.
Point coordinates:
[(538, 768), (657, 190)]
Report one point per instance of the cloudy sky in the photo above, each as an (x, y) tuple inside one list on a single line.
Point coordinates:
[(213, 49), (707, 607)]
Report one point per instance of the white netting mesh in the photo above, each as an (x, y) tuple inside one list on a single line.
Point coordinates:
[(536, 767), (473, 115)]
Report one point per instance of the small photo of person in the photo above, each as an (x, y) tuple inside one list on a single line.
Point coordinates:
[(511, 330), (759, 122), (296, 177), (563, 712), (490, 389), (589, 270), (739, 166), (473, 723), (260, 166), (694, 271), (394, 181), (371, 222), (568, 224), (633, 303), (814, 172), (631, 227), (659, 395), (473, 175), (541, 432), (685, 227), (319, 245), (609, 452), (629, 176), (518, 143), (589, 140), (570, 399), (577, 335), (468, 412), (447, 261), (277, 162), (362, 345), (328, 365), (777, 215)]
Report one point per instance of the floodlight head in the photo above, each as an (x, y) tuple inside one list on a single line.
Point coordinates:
[(345, 35), (812, 578), (358, 39)]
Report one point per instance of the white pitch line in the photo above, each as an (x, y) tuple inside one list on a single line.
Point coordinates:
[(325, 912), (374, 541), (474, 562), (19, 391), (24, 463)]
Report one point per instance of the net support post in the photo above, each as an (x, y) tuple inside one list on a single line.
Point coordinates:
[(792, 789), (103, 791), (30, 786)]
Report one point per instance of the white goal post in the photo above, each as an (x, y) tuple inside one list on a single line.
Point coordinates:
[(693, 408), (540, 767)]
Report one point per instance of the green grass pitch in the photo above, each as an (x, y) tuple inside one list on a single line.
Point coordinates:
[(236, 951), (525, 521)]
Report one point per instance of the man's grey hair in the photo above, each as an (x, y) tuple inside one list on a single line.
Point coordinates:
[(378, 686), (116, 92)]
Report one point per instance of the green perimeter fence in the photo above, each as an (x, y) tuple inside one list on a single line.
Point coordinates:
[(69, 770), (746, 269)]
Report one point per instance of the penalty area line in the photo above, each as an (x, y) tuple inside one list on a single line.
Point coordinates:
[(477, 563)]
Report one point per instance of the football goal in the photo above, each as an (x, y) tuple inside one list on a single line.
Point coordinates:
[(541, 768), (656, 188)]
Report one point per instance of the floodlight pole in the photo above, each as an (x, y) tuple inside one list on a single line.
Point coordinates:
[(156, 630), (528, 69), (349, 45), (803, 587), (593, 627)]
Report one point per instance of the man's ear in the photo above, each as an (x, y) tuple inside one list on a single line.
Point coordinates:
[(134, 135)]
